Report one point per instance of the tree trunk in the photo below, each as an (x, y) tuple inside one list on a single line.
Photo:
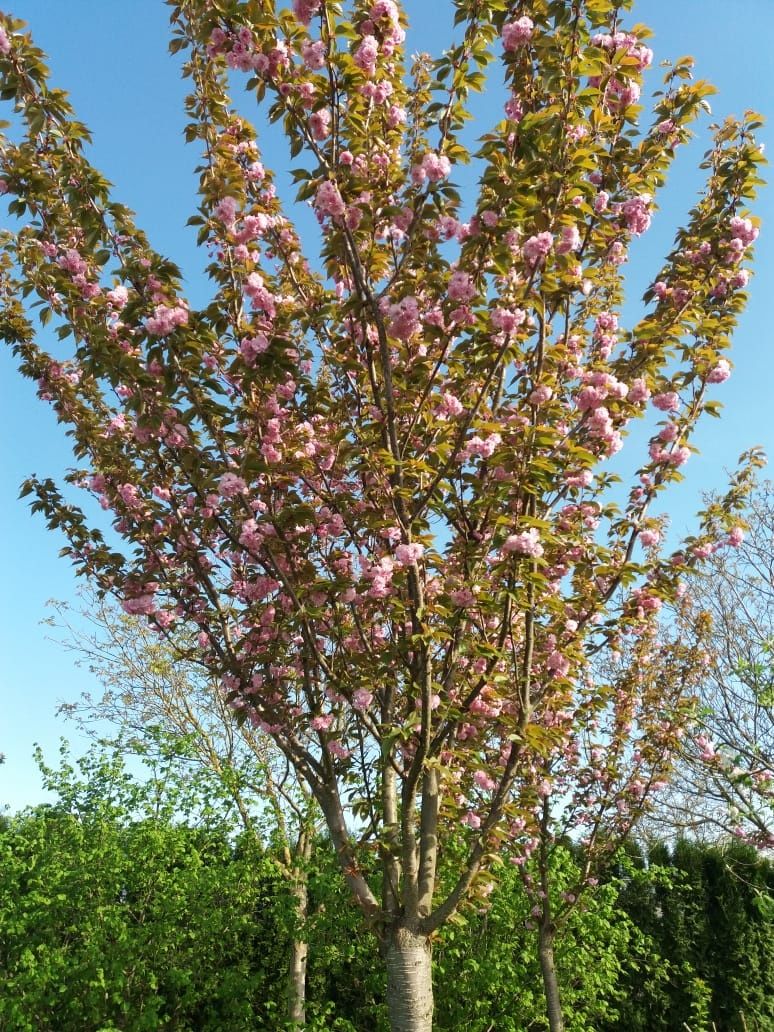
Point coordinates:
[(547, 966), (408, 959), (298, 954)]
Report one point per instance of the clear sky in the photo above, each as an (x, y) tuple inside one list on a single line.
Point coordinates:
[(112, 58)]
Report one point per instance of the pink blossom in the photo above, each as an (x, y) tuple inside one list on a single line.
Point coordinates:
[(353, 217), (736, 537), (270, 452), (450, 405), (386, 9), (526, 543), (744, 230), (335, 748), (304, 10), (508, 319), (606, 321), (362, 698), (582, 479), (540, 395), (707, 749), (601, 202), (320, 124), (462, 597), (217, 38), (558, 664), (140, 599), (404, 318), (405, 555), (461, 286), (396, 116), (517, 33), (328, 200), (250, 537), (514, 109), (118, 296), (636, 211), (650, 536), (472, 820), (322, 722), (483, 780), (570, 240), (165, 319), (720, 373), (230, 485), (483, 447), (5, 43), (251, 347), (260, 296), (639, 391), (140, 605), (73, 262), (669, 401), (253, 226), (434, 167), (679, 456), (226, 211), (313, 54), (620, 93), (366, 55), (537, 247)]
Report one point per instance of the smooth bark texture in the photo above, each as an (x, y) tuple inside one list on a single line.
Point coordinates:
[(299, 951), (548, 968), (408, 959)]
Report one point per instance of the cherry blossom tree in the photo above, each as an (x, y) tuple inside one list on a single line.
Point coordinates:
[(372, 475)]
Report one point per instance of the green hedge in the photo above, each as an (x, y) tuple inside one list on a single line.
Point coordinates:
[(115, 915)]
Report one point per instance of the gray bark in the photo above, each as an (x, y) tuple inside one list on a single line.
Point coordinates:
[(298, 954), (408, 959), (550, 983)]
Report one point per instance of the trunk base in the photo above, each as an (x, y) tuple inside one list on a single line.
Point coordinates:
[(408, 959), (550, 981)]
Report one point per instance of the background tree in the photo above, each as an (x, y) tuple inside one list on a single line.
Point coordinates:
[(726, 782), (374, 493), (161, 707)]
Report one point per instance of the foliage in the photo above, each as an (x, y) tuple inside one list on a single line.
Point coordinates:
[(708, 912), (112, 915), (165, 709), (492, 961)]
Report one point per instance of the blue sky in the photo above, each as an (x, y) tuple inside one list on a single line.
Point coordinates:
[(113, 59)]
